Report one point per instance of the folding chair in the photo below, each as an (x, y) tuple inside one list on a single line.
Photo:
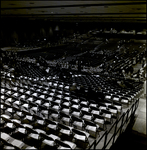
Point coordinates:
[(65, 109), (118, 106), (54, 114), (81, 138), (91, 128), (20, 133), (107, 115), (65, 118), (87, 116), (100, 120), (47, 142), (61, 145), (113, 110), (52, 127), (77, 122), (9, 127), (76, 112), (65, 132), (33, 139)]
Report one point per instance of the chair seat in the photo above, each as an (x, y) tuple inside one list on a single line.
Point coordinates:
[(47, 105), (16, 121), (25, 105), (79, 124), (102, 107), (119, 108), (71, 144), (67, 98), (34, 136), (51, 126), (54, 137), (99, 121), (30, 99), (23, 96), (34, 110), (38, 102), (27, 125), (75, 106), (56, 107), (76, 113), (16, 103), (48, 142), (21, 130), (17, 143), (40, 122), (124, 101), (58, 101), (76, 100), (85, 109), (50, 98), (91, 128), (42, 96), (66, 103), (87, 117), (67, 132), (66, 119), (59, 96), (95, 112), (30, 147), (66, 110), (113, 111), (93, 105), (35, 94), (80, 137), (40, 131), (54, 115), (5, 136)]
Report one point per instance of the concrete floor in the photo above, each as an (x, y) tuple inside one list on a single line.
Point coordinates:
[(140, 121), (135, 135)]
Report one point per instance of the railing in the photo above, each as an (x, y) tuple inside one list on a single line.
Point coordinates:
[(124, 120)]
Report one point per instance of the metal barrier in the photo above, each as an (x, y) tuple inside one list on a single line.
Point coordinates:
[(124, 120)]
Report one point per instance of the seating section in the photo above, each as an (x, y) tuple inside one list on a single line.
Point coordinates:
[(68, 96), (43, 113)]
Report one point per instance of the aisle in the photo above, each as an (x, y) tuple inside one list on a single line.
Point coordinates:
[(135, 135), (140, 121)]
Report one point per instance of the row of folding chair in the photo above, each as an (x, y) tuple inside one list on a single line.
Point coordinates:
[(125, 96), (55, 110), (32, 124), (50, 100)]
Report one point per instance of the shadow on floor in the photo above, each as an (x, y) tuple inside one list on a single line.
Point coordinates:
[(130, 140)]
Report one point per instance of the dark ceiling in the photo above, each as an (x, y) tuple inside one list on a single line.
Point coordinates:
[(76, 11)]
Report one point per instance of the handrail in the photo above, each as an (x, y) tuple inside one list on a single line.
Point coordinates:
[(134, 106), (100, 139)]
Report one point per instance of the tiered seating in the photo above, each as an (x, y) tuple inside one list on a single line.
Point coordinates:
[(41, 112), (24, 119)]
